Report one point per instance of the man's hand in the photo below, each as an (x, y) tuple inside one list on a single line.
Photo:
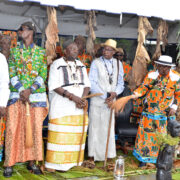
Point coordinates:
[(172, 112), (24, 95), (110, 99), (2, 111), (80, 103)]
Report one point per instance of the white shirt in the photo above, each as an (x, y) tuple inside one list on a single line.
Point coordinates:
[(4, 81)]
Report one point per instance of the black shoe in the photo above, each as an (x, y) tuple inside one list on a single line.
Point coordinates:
[(8, 172), (142, 164), (35, 169)]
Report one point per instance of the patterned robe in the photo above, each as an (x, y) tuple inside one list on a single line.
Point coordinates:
[(162, 93)]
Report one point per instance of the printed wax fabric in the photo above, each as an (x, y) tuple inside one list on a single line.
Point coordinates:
[(28, 67), (86, 60), (162, 93)]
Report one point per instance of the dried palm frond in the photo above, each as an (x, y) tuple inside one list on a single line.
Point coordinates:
[(162, 33), (139, 68), (120, 103), (51, 34), (90, 28), (178, 55)]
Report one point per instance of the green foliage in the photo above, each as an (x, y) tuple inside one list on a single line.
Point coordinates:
[(163, 139)]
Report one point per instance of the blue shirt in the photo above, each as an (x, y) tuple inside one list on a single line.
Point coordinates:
[(93, 77)]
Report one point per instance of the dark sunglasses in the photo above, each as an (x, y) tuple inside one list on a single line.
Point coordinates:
[(119, 54), (22, 29)]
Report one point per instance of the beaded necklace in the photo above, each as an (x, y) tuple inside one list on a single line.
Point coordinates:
[(109, 75), (73, 75)]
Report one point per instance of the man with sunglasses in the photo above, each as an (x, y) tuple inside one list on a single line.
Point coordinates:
[(106, 77), (28, 72)]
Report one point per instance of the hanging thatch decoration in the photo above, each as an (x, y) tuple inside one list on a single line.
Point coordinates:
[(51, 34), (139, 68), (90, 18), (178, 55), (162, 33)]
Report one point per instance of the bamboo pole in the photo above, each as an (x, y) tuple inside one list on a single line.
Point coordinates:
[(107, 143), (29, 139)]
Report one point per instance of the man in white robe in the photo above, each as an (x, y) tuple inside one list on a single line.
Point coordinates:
[(106, 77)]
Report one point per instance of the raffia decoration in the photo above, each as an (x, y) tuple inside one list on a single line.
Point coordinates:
[(162, 33), (120, 103), (90, 18), (139, 69), (51, 34)]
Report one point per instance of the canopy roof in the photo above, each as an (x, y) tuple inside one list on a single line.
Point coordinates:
[(158, 8), (71, 21)]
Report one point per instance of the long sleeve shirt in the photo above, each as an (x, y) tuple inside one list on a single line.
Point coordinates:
[(94, 73), (161, 93), (4, 81), (28, 67)]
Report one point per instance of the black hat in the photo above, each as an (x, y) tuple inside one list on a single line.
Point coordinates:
[(30, 25), (67, 43)]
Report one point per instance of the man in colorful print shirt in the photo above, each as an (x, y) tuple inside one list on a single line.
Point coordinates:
[(28, 72), (161, 89)]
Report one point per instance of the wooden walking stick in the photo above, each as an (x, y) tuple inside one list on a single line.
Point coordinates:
[(29, 138), (84, 122), (82, 137), (107, 143)]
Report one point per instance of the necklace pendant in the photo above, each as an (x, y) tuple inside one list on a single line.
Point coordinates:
[(110, 80), (75, 76)]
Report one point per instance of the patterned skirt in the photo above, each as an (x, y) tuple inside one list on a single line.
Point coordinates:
[(64, 137), (146, 147), (15, 149), (2, 131)]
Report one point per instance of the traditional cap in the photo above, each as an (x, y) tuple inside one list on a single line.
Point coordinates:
[(30, 25), (111, 43), (165, 60), (67, 43), (120, 50)]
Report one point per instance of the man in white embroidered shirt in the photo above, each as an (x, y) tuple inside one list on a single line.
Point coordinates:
[(4, 96)]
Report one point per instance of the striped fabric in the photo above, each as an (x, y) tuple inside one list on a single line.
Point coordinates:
[(64, 136)]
